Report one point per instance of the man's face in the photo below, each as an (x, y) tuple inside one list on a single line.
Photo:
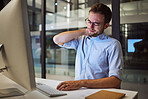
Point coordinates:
[(96, 24)]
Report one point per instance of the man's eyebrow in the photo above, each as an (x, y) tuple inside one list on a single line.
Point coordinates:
[(97, 23), (94, 22)]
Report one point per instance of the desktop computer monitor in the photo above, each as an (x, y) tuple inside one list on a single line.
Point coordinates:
[(16, 52)]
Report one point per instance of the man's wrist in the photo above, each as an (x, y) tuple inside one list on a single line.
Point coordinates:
[(82, 83), (83, 31), (86, 31)]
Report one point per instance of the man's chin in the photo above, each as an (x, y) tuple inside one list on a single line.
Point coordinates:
[(94, 35)]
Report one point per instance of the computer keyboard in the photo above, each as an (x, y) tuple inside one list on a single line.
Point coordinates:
[(49, 91)]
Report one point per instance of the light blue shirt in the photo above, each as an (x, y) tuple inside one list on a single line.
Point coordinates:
[(97, 57)]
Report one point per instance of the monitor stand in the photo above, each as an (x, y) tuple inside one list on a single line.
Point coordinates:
[(5, 67), (1, 46), (8, 92)]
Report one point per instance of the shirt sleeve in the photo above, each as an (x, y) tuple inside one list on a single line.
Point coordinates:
[(115, 60), (73, 44)]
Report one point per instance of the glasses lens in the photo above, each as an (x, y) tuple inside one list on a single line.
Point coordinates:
[(87, 21)]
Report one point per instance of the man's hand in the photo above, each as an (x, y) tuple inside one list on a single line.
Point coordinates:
[(69, 85), (90, 32)]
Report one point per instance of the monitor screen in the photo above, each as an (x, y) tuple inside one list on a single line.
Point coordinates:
[(130, 43), (16, 53)]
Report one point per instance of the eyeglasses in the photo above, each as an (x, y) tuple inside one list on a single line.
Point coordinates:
[(88, 22)]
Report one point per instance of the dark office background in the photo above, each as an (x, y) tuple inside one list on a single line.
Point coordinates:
[(3, 3)]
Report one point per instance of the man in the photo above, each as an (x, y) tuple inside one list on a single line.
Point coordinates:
[(99, 57)]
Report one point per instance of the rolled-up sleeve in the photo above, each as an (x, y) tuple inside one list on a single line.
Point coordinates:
[(73, 44), (115, 59)]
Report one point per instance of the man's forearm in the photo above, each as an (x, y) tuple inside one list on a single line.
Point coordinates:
[(64, 37), (109, 82)]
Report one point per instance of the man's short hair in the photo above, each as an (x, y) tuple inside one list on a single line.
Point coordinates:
[(102, 9)]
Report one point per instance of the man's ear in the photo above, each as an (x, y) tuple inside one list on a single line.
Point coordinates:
[(106, 25)]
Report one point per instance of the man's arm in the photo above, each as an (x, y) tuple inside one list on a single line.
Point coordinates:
[(108, 82), (65, 37)]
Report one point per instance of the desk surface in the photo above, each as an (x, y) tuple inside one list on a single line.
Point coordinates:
[(76, 94)]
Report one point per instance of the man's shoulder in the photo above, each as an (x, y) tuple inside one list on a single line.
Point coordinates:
[(110, 43), (113, 40)]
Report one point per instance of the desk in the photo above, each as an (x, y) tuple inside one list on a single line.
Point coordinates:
[(76, 94)]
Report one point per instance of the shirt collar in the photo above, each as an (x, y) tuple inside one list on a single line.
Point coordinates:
[(99, 37)]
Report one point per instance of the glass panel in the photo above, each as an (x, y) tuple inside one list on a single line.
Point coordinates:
[(29, 2), (62, 6), (34, 22), (38, 3), (135, 45), (59, 61), (134, 39), (134, 8), (50, 5), (35, 36)]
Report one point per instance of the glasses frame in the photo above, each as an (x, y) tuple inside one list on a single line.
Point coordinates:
[(88, 22)]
